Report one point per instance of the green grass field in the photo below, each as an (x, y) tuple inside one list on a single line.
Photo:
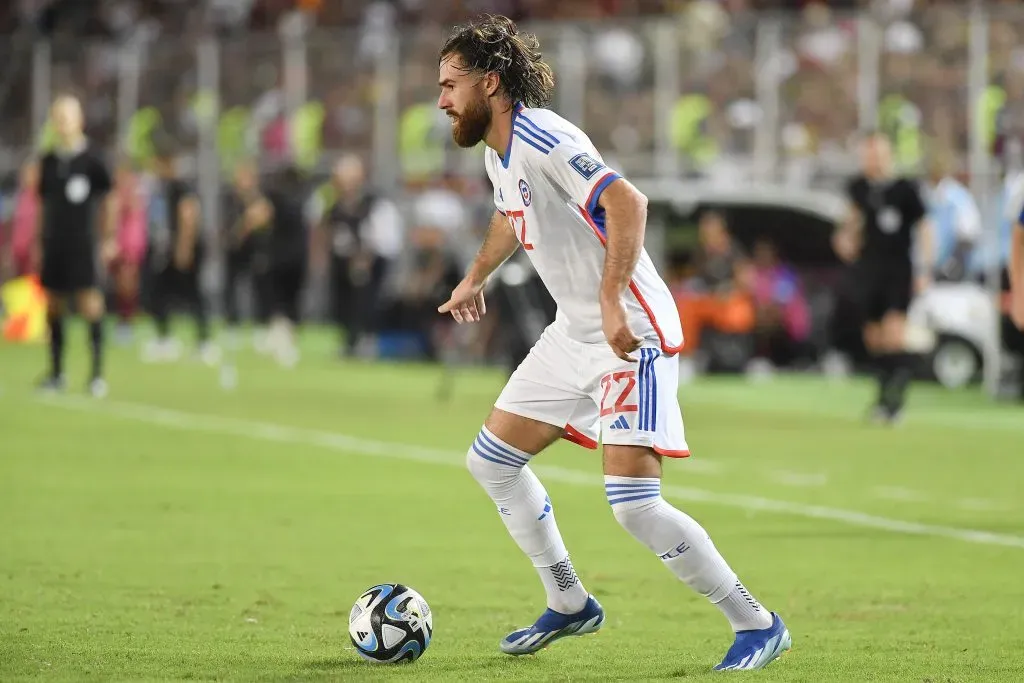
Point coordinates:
[(177, 531)]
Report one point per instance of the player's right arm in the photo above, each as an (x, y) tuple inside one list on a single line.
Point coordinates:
[(466, 303)]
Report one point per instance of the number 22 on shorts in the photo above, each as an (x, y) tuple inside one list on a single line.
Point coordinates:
[(517, 219), (618, 386)]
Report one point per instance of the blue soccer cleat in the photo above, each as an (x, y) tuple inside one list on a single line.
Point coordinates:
[(553, 625), (754, 649)]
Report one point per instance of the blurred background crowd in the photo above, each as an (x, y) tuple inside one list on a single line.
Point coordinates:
[(737, 117)]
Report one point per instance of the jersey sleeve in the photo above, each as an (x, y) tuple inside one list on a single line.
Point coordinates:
[(579, 172), (100, 181), (915, 207)]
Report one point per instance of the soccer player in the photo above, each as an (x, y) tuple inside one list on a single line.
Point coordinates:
[(606, 365), (886, 217), (73, 179)]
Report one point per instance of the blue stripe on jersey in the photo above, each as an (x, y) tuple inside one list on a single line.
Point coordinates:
[(531, 143), (540, 132), (598, 219), (1020, 218), (595, 196), (524, 131)]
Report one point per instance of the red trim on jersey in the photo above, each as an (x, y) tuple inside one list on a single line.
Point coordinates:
[(578, 438), (590, 198), (671, 454), (669, 350)]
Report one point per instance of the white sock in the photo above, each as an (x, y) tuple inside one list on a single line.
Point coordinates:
[(685, 548), (525, 508)]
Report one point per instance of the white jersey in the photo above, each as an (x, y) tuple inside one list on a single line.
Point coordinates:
[(548, 185)]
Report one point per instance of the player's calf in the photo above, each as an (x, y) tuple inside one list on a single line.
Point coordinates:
[(684, 547), (526, 510)]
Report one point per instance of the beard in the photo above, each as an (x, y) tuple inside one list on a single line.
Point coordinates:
[(471, 125)]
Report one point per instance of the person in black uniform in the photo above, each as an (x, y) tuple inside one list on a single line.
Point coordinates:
[(353, 220), (245, 247), (282, 207), (73, 179), (175, 254), (886, 217)]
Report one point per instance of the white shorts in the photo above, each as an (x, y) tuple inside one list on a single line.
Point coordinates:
[(592, 393)]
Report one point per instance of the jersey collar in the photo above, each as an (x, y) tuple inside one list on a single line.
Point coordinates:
[(511, 133)]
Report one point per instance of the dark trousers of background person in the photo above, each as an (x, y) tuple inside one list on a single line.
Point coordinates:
[(242, 265), (171, 286), (283, 289), (356, 299)]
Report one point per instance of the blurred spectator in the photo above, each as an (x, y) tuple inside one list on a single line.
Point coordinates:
[(431, 266), (24, 249), (955, 216), (245, 240), (717, 296), (781, 310), (130, 204), (288, 246), (362, 232)]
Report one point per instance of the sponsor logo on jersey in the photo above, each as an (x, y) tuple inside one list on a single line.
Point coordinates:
[(524, 189), (586, 165)]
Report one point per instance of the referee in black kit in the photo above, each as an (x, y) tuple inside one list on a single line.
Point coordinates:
[(888, 240), (73, 180)]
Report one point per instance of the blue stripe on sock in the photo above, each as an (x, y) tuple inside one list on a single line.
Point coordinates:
[(644, 484), (500, 455), (501, 448), (639, 496), (486, 455)]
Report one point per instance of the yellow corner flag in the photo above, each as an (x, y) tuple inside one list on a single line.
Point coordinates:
[(24, 304)]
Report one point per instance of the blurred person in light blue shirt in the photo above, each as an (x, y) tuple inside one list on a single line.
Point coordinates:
[(956, 218)]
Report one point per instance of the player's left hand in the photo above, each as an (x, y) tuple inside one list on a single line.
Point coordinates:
[(466, 304), (617, 331)]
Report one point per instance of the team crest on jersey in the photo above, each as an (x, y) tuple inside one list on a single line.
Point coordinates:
[(585, 165), (77, 189), (889, 220), (526, 192)]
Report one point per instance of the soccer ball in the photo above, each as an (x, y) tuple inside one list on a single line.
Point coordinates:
[(390, 623)]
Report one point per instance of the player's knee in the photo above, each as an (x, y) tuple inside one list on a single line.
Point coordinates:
[(632, 499), (492, 461)]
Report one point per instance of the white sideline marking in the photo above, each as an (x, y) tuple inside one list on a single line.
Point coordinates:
[(799, 478), (899, 493), (296, 435)]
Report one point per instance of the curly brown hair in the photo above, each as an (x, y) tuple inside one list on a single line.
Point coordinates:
[(494, 44)]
